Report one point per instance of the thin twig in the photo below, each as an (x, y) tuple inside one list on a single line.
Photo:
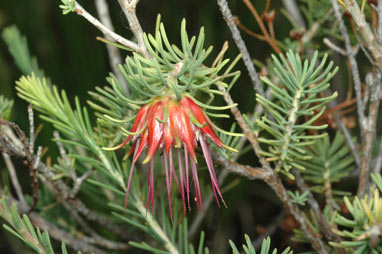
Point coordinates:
[(113, 52), (129, 9), (64, 156), (379, 30), (271, 41), (14, 179), (78, 243), (378, 164), (324, 224), (78, 182), (61, 187), (31, 129), (106, 31), (366, 135), (272, 179), (364, 28), (369, 133), (227, 15), (334, 47), (353, 62)]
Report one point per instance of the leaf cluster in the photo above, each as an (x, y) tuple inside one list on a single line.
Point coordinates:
[(364, 225), (331, 161), (5, 107), (295, 100), (250, 249), (39, 242), (171, 68)]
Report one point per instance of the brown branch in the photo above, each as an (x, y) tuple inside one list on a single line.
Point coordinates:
[(245, 29), (263, 29), (324, 224), (62, 189), (371, 41), (78, 243), (272, 178), (14, 179)]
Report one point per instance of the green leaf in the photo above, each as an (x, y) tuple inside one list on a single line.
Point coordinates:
[(292, 100)]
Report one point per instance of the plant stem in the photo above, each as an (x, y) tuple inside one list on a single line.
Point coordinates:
[(155, 226)]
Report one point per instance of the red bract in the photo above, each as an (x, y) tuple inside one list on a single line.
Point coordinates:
[(173, 127)]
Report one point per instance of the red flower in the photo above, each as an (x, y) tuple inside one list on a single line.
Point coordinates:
[(172, 126)]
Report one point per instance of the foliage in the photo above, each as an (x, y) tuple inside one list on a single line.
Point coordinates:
[(298, 97), (298, 198), (284, 132), (23, 229), (364, 224), (171, 69), (5, 107), (250, 249), (68, 6), (329, 163), (18, 47)]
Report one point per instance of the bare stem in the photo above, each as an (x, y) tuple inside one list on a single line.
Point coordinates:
[(77, 243), (106, 31), (272, 178), (129, 9), (14, 179), (227, 15)]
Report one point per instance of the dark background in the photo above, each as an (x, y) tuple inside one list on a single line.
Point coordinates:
[(68, 52)]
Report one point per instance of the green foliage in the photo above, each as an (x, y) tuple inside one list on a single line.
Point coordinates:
[(18, 47), (299, 198), (250, 249), (84, 148), (5, 107), (68, 6), (23, 229), (314, 224), (297, 98), (171, 69), (73, 124), (364, 223), (331, 161)]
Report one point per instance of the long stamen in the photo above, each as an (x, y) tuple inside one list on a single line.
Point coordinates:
[(196, 182), (152, 183), (130, 175), (172, 170), (187, 177), (168, 182), (211, 169), (181, 176)]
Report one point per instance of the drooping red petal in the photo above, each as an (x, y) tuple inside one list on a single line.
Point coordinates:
[(181, 176), (175, 123), (142, 145), (168, 128), (155, 130), (203, 119), (139, 120), (187, 133), (211, 170)]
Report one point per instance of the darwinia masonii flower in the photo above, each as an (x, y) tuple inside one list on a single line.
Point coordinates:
[(173, 127)]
